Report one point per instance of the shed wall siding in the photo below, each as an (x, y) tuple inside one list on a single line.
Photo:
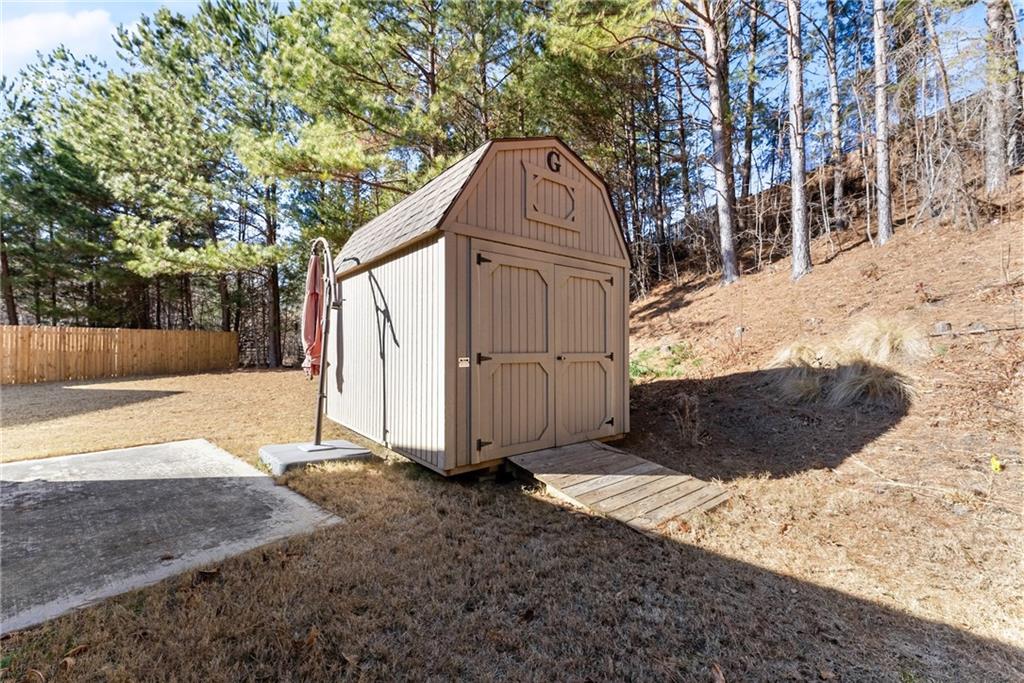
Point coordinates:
[(496, 199), (387, 372)]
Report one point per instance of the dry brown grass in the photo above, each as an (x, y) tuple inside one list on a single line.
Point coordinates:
[(859, 380), (856, 370), (861, 543), (434, 578), (238, 411), (888, 341), (801, 372)]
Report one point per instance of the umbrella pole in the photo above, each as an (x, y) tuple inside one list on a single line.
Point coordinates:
[(281, 457), (328, 304)]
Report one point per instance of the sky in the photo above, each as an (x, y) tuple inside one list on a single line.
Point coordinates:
[(83, 26)]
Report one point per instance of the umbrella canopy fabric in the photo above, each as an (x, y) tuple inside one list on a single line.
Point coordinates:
[(312, 317)]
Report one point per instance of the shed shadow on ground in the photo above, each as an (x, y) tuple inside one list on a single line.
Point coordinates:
[(452, 579), (72, 399), (528, 588), (744, 427)]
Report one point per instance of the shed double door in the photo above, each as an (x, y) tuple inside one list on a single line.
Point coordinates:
[(545, 368)]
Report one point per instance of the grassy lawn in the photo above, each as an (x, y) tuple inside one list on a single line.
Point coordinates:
[(860, 543)]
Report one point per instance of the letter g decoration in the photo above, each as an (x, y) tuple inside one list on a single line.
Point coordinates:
[(554, 161)]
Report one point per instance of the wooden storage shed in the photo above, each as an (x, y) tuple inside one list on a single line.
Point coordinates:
[(486, 314)]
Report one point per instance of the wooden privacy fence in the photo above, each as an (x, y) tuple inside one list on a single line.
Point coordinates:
[(46, 354)]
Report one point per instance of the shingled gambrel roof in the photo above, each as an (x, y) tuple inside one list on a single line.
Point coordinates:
[(420, 212)]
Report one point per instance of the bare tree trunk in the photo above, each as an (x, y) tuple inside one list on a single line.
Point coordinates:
[(654, 136), (883, 187), (1015, 88), (684, 152), (52, 281), (835, 118), (5, 273), (236, 324), (952, 134), (997, 79), (940, 62), (274, 358), (222, 283), (748, 108), (54, 319), (905, 56), (798, 189), (159, 304), (187, 317), (712, 23), (432, 25), (485, 111), (142, 319), (634, 202)]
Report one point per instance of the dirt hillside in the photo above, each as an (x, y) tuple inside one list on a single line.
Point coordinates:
[(918, 507)]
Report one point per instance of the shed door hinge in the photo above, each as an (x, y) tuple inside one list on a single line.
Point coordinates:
[(480, 443), (480, 358), (611, 356), (611, 281), (480, 259), (610, 421)]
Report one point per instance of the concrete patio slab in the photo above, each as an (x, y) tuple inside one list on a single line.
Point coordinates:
[(284, 456), (79, 528)]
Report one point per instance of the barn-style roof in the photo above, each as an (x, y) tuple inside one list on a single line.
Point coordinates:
[(427, 208), (420, 212)]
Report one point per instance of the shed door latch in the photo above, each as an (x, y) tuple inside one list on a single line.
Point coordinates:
[(480, 443), (481, 259), (480, 358)]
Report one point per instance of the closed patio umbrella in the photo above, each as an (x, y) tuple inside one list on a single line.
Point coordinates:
[(312, 317)]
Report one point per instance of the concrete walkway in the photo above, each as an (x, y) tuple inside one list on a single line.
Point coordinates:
[(79, 528)]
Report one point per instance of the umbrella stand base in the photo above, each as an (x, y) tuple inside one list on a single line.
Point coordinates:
[(313, 447), (282, 457)]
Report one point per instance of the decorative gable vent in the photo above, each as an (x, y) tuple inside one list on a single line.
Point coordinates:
[(550, 196)]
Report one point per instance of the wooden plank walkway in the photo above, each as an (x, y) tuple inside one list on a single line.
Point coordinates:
[(637, 492)]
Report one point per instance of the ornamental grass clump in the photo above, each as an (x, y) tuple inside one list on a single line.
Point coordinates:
[(858, 369)]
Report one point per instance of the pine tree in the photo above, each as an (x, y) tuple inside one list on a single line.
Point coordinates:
[(60, 264)]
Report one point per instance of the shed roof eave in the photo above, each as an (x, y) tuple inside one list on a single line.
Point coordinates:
[(385, 256), (419, 213)]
